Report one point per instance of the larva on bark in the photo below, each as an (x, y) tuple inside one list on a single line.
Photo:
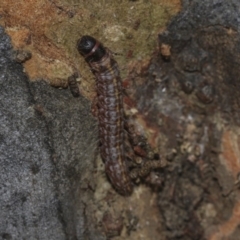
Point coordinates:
[(110, 111)]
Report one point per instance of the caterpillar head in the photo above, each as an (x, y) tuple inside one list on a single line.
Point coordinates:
[(90, 49)]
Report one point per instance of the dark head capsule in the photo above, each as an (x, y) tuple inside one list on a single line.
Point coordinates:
[(91, 49)]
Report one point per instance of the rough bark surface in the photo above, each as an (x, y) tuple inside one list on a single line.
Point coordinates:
[(44, 156), (195, 106), (185, 102)]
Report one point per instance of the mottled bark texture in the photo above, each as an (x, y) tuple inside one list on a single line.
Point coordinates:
[(47, 142), (192, 96), (189, 100)]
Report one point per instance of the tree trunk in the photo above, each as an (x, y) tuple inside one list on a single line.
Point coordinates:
[(185, 101)]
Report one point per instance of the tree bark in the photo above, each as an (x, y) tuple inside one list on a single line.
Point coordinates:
[(185, 101)]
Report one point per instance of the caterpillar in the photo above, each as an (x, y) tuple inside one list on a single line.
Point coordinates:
[(73, 85), (110, 111)]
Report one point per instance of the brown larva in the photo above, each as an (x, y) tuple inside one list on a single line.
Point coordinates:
[(110, 111), (165, 51), (22, 56), (206, 93), (73, 85)]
